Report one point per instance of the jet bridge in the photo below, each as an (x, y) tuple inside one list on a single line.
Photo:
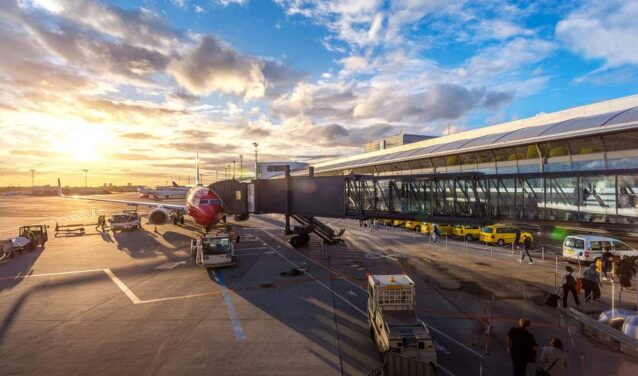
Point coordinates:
[(595, 198)]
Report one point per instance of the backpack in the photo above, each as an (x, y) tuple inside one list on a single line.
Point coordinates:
[(552, 300), (570, 280)]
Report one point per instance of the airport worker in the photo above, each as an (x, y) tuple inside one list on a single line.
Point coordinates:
[(31, 236), (569, 285), (591, 282), (522, 346), (527, 246), (553, 360), (99, 222), (625, 270), (517, 240)]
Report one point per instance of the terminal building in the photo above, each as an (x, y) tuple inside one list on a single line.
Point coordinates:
[(576, 165)]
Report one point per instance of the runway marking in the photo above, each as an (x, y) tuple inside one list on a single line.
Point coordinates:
[(118, 282), (239, 331), (169, 265)]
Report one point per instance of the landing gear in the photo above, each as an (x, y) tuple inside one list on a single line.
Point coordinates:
[(181, 219)]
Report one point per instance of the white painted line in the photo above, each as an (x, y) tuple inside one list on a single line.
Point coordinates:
[(122, 287), (169, 265), (239, 331), (118, 282), (320, 283)]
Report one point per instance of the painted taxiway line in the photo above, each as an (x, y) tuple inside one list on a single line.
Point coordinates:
[(118, 282), (234, 319)]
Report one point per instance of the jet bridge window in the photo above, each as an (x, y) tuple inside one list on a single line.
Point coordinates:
[(212, 246)]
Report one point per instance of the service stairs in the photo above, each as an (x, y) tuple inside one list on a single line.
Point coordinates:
[(311, 224)]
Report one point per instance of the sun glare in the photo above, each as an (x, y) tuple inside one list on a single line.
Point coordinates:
[(80, 145)]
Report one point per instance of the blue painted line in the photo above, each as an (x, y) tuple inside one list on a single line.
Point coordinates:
[(239, 331)]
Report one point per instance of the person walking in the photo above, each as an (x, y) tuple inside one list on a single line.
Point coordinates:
[(625, 270), (569, 285), (607, 261), (522, 346), (591, 283), (436, 234), (553, 359), (527, 246)]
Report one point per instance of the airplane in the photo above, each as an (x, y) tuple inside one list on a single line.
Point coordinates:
[(163, 192), (202, 205)]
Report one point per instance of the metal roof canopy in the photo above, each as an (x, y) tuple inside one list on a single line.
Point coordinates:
[(573, 127)]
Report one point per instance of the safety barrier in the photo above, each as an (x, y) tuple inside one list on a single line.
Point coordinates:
[(601, 331), (398, 365)]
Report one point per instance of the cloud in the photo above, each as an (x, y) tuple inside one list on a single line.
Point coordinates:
[(132, 156), (511, 56), (602, 30), (36, 153), (213, 65), (208, 147), (138, 136)]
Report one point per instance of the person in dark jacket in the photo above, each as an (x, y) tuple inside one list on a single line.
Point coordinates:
[(625, 270), (591, 283), (569, 285), (606, 261), (522, 347), (527, 246)]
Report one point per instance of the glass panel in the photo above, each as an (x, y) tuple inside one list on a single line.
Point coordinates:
[(627, 197), (588, 145), (562, 199), (506, 168), (621, 141), (598, 198), (580, 123), (529, 166), (629, 162), (488, 139), (526, 133), (506, 154), (560, 165), (528, 195), (555, 149), (597, 164)]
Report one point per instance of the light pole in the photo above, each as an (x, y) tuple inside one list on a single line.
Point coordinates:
[(32, 177), (256, 145), (233, 170), (241, 166), (216, 175), (228, 173), (86, 178)]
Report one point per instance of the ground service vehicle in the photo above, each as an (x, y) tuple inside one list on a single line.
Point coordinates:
[(124, 222), (21, 243), (502, 234), (588, 248), (394, 324), (214, 249), (467, 232), (40, 232)]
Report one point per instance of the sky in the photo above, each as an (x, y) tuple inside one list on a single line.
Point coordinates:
[(129, 90)]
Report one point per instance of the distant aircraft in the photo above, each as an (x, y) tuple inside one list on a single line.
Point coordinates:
[(160, 192), (202, 205)]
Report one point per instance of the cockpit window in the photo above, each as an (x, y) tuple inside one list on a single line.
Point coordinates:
[(208, 201), (212, 246)]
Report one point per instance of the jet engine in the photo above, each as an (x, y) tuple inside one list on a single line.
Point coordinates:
[(158, 216)]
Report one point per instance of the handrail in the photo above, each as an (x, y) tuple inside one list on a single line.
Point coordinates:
[(601, 327)]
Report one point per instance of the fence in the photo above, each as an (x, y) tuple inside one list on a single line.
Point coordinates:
[(398, 365)]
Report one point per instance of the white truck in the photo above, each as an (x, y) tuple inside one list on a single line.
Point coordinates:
[(125, 222), (213, 249), (394, 324)]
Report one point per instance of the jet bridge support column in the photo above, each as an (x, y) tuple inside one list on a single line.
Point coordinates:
[(287, 199)]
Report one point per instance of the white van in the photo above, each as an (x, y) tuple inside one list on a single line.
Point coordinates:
[(590, 247)]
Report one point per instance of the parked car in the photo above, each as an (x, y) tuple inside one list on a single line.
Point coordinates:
[(444, 229), (502, 234), (588, 248), (467, 232), (415, 225)]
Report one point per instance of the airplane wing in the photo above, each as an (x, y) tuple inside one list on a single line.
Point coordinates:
[(125, 202)]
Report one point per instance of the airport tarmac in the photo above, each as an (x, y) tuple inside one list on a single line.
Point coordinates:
[(135, 303)]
